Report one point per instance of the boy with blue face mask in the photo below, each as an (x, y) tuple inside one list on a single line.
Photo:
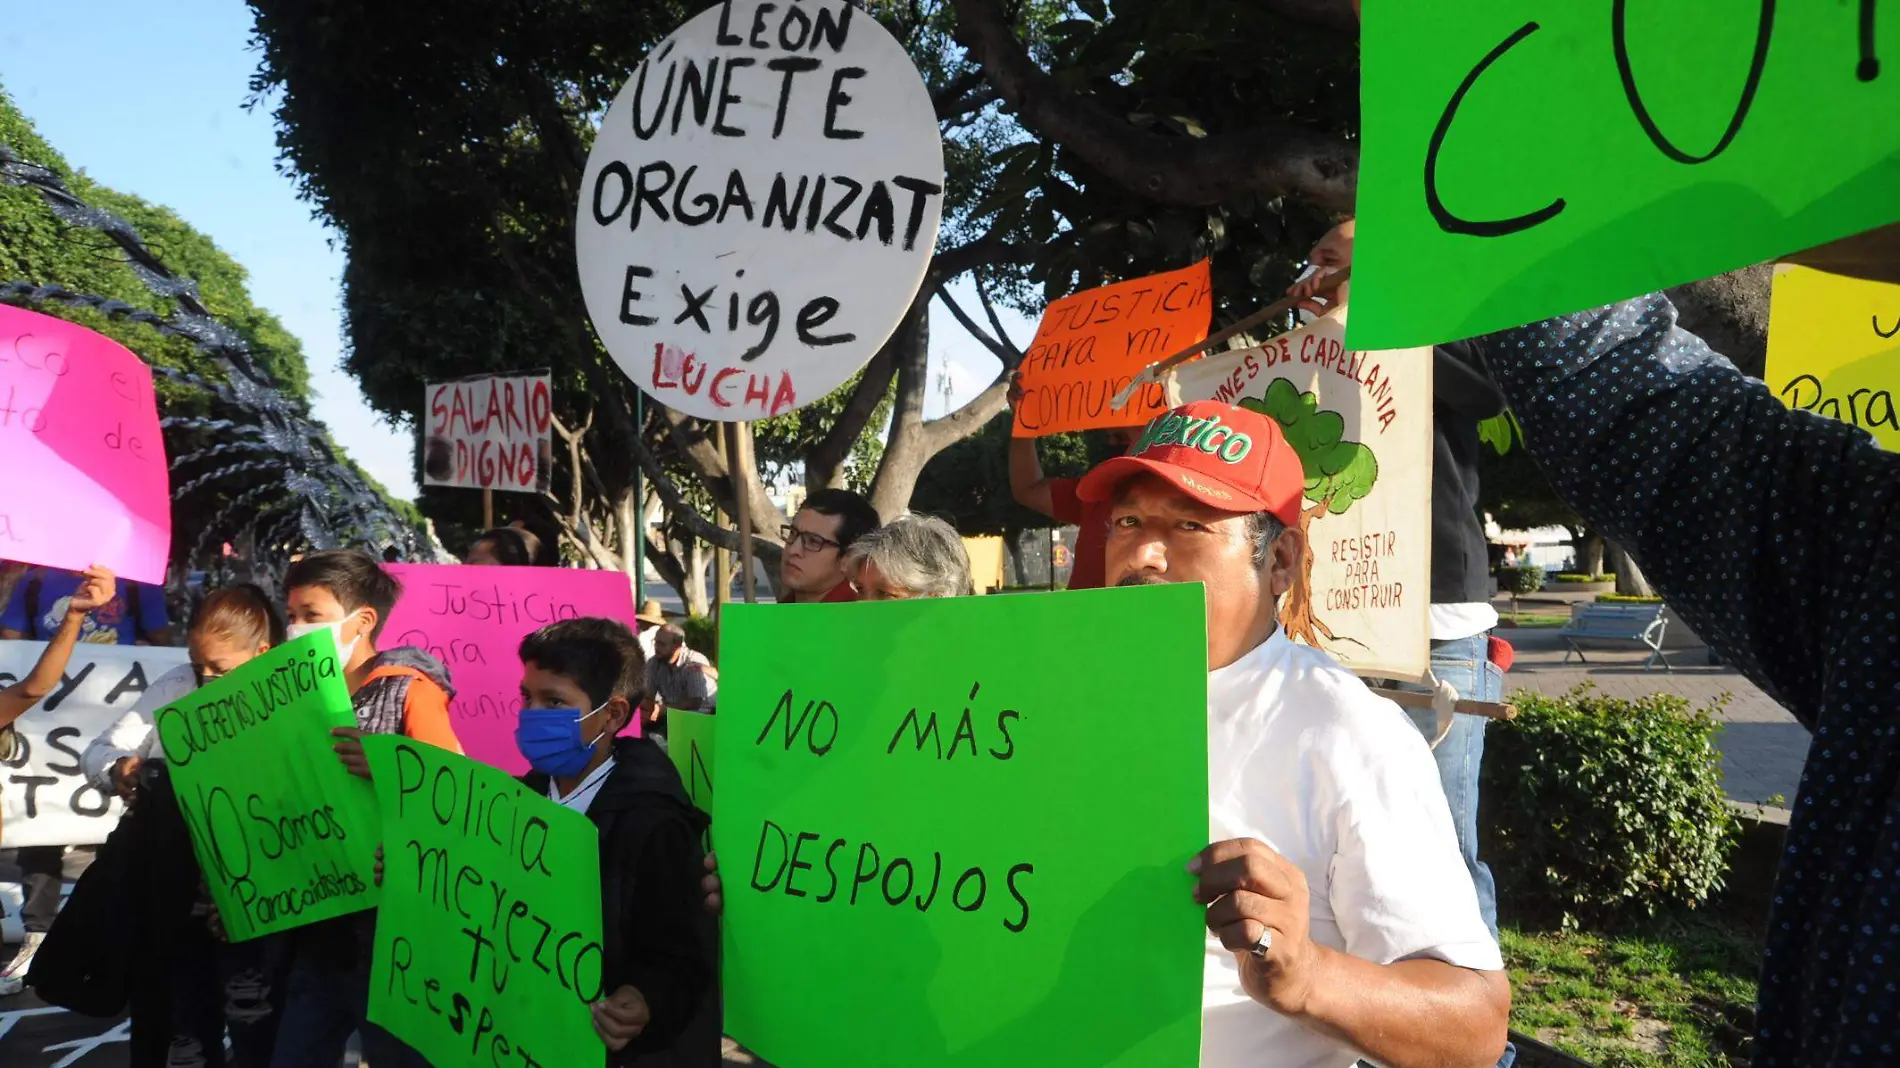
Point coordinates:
[(580, 680)]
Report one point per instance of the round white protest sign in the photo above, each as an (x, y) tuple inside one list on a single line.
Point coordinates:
[(760, 207)]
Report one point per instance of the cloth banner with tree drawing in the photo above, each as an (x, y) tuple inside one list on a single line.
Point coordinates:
[(1362, 425)]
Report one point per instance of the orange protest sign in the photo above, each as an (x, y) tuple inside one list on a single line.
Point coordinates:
[(1093, 343)]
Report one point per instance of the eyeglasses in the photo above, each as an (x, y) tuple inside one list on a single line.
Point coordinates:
[(806, 540), (206, 674)]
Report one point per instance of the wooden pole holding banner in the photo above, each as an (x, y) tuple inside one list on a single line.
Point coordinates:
[(1153, 372), (741, 454), (1487, 709), (488, 509)]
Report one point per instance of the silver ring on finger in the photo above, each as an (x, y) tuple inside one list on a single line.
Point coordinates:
[(1263, 945)]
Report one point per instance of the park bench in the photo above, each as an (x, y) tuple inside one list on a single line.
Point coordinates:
[(1642, 624)]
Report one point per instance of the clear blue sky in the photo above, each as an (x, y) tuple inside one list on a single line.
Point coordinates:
[(148, 98)]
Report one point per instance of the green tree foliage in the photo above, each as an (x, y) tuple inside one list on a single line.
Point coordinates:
[(446, 145), (968, 483), (35, 246), (1164, 80)]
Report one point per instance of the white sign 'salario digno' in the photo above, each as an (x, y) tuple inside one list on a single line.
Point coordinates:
[(760, 207)]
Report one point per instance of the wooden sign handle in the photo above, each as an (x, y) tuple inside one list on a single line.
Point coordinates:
[(1487, 709), (1153, 373)]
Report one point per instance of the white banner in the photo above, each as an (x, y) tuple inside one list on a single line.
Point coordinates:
[(1361, 423), (489, 433), (44, 798)]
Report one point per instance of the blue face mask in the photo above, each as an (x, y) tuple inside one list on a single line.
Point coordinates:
[(550, 739)]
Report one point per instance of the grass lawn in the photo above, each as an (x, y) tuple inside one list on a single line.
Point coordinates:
[(1534, 619), (1671, 994)]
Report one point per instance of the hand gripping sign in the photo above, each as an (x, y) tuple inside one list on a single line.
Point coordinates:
[(760, 207)]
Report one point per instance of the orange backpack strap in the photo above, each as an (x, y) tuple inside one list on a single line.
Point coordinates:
[(425, 710)]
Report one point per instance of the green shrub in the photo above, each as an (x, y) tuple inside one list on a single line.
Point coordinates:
[(1626, 598), (1572, 576), (1597, 809), (702, 634), (1520, 580)]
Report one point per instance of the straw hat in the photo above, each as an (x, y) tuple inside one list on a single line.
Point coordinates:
[(650, 613)]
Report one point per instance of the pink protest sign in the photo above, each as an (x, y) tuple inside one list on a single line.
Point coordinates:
[(473, 619), (84, 480)]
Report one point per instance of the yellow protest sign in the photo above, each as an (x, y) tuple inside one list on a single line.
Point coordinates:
[(1834, 349)]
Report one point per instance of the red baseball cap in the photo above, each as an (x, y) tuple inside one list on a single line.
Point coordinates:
[(1225, 457)]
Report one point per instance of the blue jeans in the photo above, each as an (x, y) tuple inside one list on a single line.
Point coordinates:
[(323, 1004), (1466, 664)]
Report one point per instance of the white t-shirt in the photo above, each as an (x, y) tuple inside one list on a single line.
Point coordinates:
[(1303, 757), (132, 734), (1451, 622)]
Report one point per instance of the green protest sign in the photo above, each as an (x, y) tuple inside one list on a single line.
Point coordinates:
[(284, 834), (488, 943), (964, 824), (689, 741), (1522, 162)]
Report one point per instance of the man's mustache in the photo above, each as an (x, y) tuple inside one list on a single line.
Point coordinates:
[(1143, 578)]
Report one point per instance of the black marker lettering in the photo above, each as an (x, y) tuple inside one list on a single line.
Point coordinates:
[(1453, 224), (630, 296), (837, 98), (1619, 44), (727, 96)]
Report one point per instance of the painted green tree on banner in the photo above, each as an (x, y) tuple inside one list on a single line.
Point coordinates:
[(1338, 472)]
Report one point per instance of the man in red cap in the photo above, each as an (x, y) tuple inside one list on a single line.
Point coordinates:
[(1342, 921)]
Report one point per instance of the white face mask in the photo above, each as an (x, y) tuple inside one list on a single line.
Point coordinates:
[(335, 627)]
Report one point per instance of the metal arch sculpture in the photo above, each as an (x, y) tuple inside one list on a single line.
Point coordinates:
[(310, 496)]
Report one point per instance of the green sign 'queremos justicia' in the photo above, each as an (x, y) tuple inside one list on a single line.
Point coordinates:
[(953, 832), (284, 834), (1525, 161), (488, 939)]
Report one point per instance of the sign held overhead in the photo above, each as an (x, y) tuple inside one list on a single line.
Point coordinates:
[(86, 481), (1526, 161), (489, 433), (760, 207), (1091, 346)]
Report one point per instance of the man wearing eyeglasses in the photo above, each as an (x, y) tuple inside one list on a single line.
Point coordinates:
[(812, 567)]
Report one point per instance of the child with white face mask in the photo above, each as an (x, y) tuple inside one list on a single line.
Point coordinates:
[(399, 691)]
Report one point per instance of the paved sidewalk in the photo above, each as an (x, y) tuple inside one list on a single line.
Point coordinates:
[(1763, 747)]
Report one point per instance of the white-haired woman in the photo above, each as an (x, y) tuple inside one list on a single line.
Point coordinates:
[(911, 556)]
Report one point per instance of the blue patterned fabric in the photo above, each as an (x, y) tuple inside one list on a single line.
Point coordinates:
[(1772, 533)]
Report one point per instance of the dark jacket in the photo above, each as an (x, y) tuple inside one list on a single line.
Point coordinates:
[(1463, 395), (1776, 535), (655, 930)]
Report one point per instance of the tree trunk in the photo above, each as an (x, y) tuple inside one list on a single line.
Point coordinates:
[(1629, 578), (1590, 553), (1013, 545), (693, 589), (1296, 609)]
